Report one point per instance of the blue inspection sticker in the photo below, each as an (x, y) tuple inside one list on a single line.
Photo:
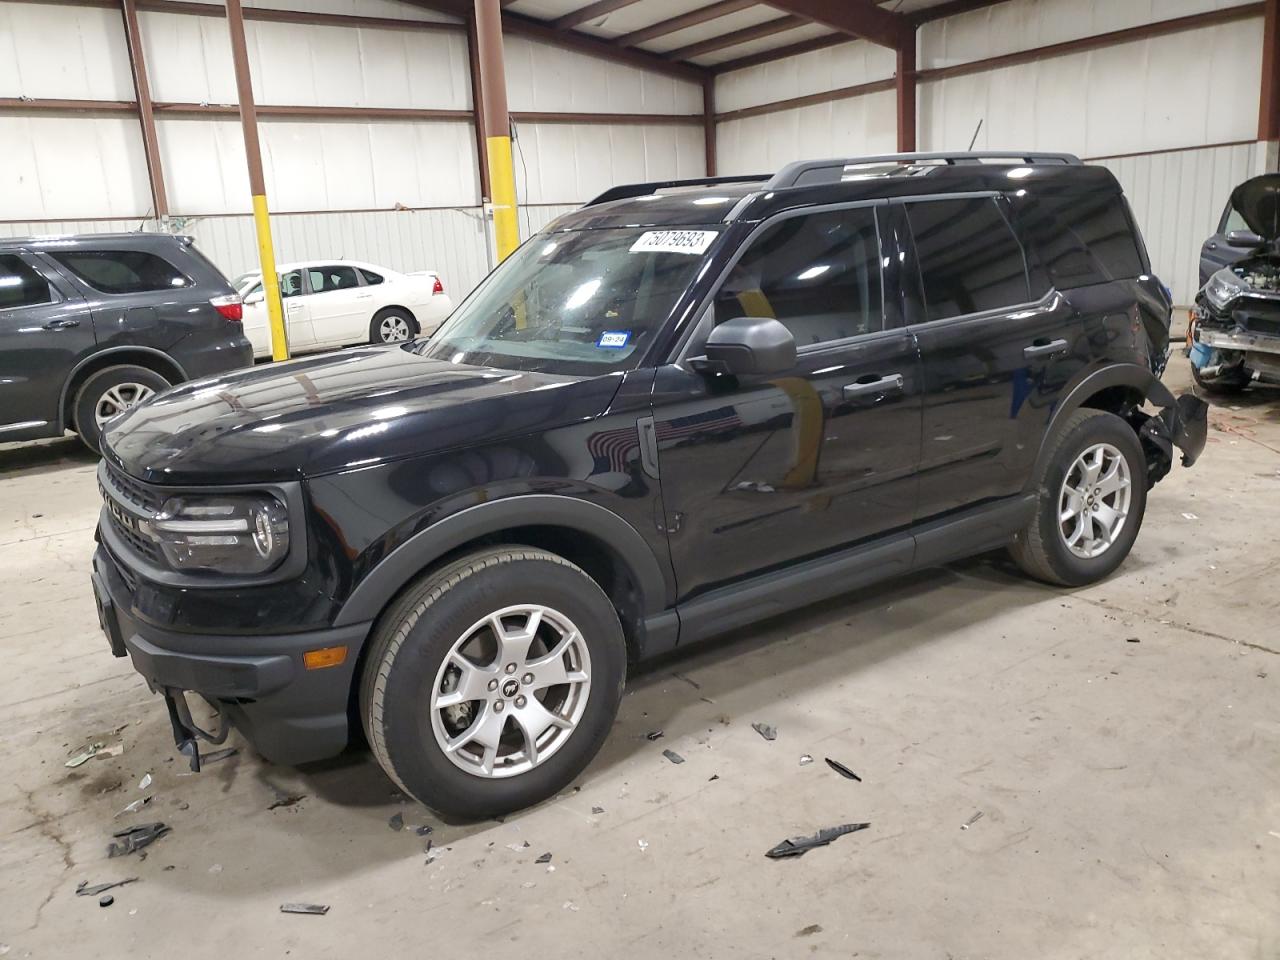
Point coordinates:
[(614, 339)]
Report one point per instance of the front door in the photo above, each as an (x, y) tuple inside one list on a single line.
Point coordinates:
[(340, 305), (45, 329), (761, 471)]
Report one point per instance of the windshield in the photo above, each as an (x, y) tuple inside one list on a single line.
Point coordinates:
[(584, 302)]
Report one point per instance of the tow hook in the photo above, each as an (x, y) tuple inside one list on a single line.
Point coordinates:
[(186, 735)]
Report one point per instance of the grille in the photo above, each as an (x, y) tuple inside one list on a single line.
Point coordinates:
[(1268, 326), (141, 544), (124, 497), (125, 488)]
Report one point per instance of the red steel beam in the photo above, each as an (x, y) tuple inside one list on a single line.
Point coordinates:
[(781, 53), (858, 18), (905, 86), (760, 30), (477, 107), (709, 124), (146, 119), (952, 8), (592, 10), (1269, 101), (682, 22), (809, 100)]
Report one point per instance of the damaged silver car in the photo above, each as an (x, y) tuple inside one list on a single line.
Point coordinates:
[(1235, 325)]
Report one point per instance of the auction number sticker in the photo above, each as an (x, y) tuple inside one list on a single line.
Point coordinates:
[(674, 241)]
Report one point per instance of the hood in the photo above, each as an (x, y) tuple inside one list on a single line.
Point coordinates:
[(1258, 203), (340, 411)]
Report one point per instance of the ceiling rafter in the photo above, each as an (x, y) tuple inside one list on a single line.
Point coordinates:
[(682, 22), (857, 18), (592, 10), (746, 34)]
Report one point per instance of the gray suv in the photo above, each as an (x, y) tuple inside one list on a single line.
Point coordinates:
[(93, 325)]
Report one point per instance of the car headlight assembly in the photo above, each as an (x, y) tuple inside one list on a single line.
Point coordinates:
[(1223, 287), (238, 534)]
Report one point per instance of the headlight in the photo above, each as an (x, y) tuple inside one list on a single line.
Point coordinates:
[(1223, 287), (234, 534)]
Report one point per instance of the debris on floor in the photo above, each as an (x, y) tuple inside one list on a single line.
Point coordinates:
[(423, 829), (316, 909), (91, 750), (208, 758), (810, 930), (841, 769), (799, 846), (145, 782), (287, 800), (1189, 516), (135, 806), (971, 821), (805, 760), (765, 730), (84, 890), (396, 822), (714, 776), (543, 858), (133, 839), (569, 905), (643, 845), (597, 810), (654, 735), (691, 682), (517, 847), (1132, 640), (673, 756), (106, 900)]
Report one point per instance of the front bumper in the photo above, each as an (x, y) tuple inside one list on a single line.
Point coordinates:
[(289, 713)]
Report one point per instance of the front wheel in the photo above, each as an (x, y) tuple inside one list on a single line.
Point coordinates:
[(1092, 495), (492, 682)]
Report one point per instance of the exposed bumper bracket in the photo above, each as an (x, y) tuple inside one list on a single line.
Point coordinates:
[(186, 734)]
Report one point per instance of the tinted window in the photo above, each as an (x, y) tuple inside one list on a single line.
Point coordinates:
[(1232, 220), (969, 258), (122, 271), (290, 283), (325, 279), (1081, 238), (819, 275), (370, 277), (20, 285)]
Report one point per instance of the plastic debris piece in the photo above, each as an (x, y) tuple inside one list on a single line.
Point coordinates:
[(597, 810), (1189, 516), (544, 858), (84, 890), (208, 758), (144, 782), (434, 853), (133, 839), (971, 821), (765, 730), (673, 756), (810, 930), (106, 900), (841, 769), (396, 822), (570, 905), (799, 846), (315, 909), (287, 800), (714, 776), (551, 868), (654, 735), (423, 830), (1132, 640), (805, 760), (517, 847), (134, 807), (643, 844), (87, 753)]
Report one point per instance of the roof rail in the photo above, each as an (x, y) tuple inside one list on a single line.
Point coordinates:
[(827, 171), (627, 190)]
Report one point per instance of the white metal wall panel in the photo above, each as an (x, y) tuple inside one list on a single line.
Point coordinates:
[(762, 144), (845, 65), (809, 31), (1023, 24), (738, 20), (75, 53), (392, 9), (188, 58), (541, 77), (1161, 93), (71, 168), (563, 162)]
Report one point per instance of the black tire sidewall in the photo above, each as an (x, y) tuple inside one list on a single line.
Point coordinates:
[(375, 325), (1104, 428), (411, 746), (91, 391)]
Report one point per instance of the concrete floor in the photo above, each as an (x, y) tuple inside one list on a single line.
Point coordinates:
[(1130, 792)]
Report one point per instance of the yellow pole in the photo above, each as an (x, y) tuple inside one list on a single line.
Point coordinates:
[(502, 179), (270, 280)]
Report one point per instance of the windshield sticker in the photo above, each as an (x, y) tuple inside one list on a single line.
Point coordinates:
[(614, 339), (674, 241)]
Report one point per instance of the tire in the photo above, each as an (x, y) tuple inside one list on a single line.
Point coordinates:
[(392, 325), (1224, 384), (117, 388), (411, 663), (1042, 548)]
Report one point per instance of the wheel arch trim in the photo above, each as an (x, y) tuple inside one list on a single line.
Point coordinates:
[(97, 355)]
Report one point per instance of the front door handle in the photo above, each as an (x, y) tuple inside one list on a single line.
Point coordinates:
[(1050, 349), (62, 324), (893, 381)]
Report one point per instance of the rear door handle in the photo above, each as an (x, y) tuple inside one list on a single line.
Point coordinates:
[(61, 324), (1050, 349), (893, 381)]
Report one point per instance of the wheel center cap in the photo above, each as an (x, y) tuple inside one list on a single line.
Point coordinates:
[(510, 688)]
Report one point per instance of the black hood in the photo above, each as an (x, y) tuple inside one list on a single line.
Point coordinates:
[(339, 411), (1258, 203)]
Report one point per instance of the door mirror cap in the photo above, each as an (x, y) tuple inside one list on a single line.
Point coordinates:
[(748, 345), (1244, 238), (256, 297)]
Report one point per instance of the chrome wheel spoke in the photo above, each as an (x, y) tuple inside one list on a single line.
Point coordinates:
[(1113, 481), (1072, 504), (471, 684), (1093, 503), (533, 719)]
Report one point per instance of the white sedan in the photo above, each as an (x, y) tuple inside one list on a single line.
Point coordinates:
[(339, 302)]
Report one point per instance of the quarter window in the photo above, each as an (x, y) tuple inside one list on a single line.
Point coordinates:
[(122, 271), (969, 258), (325, 279), (20, 285), (370, 278), (819, 275)]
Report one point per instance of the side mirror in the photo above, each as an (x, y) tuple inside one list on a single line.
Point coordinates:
[(1244, 238), (748, 345), (256, 297)]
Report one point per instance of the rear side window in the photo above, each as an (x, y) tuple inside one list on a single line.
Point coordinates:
[(325, 279), (122, 271), (969, 258), (20, 285), (1081, 238), (371, 278), (818, 275)]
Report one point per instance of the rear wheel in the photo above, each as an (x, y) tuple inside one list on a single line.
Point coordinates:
[(492, 682), (392, 325), (1092, 497), (109, 393)]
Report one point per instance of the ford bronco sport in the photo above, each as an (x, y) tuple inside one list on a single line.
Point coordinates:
[(678, 410)]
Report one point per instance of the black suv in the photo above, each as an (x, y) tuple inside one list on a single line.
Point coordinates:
[(91, 325), (678, 410)]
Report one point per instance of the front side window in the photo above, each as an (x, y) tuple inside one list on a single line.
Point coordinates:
[(20, 285), (969, 258), (818, 275), (327, 279), (122, 271), (580, 302), (290, 284)]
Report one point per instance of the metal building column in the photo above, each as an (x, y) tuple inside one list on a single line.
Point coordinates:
[(257, 184), (905, 85), (497, 125), (709, 122), (1269, 101), (146, 117)]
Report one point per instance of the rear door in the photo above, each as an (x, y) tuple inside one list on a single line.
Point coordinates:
[(996, 350), (45, 329), (341, 305)]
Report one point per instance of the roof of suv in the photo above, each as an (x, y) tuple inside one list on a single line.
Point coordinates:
[(680, 203), (75, 240)]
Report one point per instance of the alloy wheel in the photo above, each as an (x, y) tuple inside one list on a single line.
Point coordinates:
[(393, 329), (1093, 505), (116, 400)]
